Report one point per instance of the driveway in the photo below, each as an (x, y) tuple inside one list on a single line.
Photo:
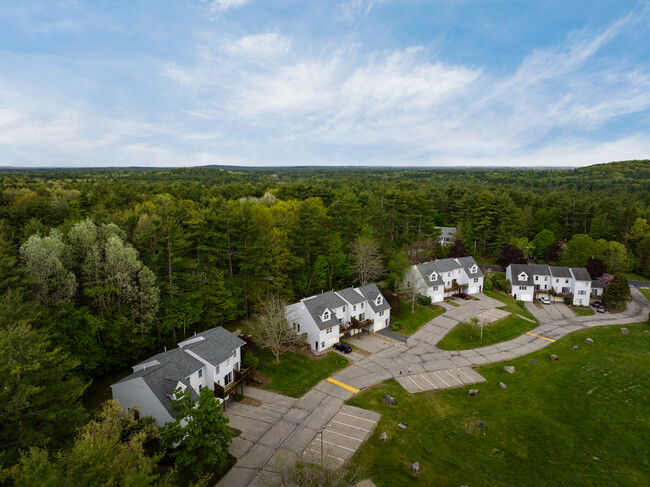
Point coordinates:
[(283, 429)]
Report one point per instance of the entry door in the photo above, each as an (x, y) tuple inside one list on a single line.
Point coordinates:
[(315, 345)]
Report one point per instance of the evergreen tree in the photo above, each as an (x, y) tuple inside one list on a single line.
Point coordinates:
[(617, 292)]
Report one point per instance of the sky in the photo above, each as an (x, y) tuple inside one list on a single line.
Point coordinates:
[(318, 82)]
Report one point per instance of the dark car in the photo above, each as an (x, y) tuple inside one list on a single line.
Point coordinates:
[(601, 309), (597, 304), (463, 296), (342, 347)]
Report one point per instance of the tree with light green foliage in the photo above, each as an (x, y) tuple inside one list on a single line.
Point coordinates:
[(200, 432), (108, 451)]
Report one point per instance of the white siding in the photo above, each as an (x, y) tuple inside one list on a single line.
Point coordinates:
[(137, 392)]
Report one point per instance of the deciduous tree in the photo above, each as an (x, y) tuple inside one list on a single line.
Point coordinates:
[(270, 326)]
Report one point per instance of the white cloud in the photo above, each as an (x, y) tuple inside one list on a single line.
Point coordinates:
[(353, 10), (226, 4), (260, 46)]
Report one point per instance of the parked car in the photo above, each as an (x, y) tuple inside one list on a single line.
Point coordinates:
[(597, 304), (601, 309), (463, 296), (544, 300), (342, 347)]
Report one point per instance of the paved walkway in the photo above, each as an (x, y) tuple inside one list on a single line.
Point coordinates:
[(284, 429)]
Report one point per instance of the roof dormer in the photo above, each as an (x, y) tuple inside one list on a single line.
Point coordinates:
[(522, 276), (378, 301), (474, 269), (433, 276), (327, 314)]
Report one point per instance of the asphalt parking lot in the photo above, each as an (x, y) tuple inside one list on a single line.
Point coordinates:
[(440, 379), (342, 436)]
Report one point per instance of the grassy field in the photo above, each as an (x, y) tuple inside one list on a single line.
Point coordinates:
[(466, 335), (297, 374), (410, 322), (510, 304), (582, 310), (636, 277), (453, 303), (583, 420)]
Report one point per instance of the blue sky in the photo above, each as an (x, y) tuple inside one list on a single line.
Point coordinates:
[(353, 82)]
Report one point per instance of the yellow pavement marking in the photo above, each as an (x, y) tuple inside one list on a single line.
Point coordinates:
[(539, 336), (344, 386)]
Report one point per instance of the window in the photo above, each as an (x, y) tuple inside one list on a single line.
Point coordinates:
[(344, 309), (200, 387), (326, 316), (537, 278), (227, 379), (362, 316), (381, 313), (296, 327), (557, 281), (234, 354), (378, 300), (354, 307), (476, 279), (435, 288), (362, 305), (582, 292), (566, 281), (200, 373), (329, 330), (322, 345), (216, 369), (187, 379), (522, 288), (545, 279)]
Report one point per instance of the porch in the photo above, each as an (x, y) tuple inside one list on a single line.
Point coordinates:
[(239, 378)]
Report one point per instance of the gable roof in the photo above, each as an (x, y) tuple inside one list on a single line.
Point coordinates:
[(217, 346), (516, 270), (580, 274), (560, 271), (595, 283), (468, 262), (539, 270), (370, 292), (350, 295), (447, 232), (316, 305)]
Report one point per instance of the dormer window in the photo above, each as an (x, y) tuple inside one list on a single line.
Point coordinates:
[(326, 315), (474, 269), (523, 276), (378, 301), (433, 276)]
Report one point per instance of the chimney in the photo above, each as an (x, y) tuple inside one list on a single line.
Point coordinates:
[(165, 348)]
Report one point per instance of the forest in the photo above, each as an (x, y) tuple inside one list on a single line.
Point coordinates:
[(100, 268)]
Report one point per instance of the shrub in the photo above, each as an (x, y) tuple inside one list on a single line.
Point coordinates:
[(395, 303), (251, 359), (423, 300)]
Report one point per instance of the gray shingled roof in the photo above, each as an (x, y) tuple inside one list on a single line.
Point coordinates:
[(468, 262), (219, 344), (447, 231), (558, 271), (350, 295), (580, 273), (439, 266), (370, 292), (539, 270), (595, 283), (516, 269), (316, 306)]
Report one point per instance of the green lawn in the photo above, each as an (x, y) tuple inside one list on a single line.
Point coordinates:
[(297, 374), (646, 292), (582, 310), (466, 335), (410, 322), (510, 304), (583, 420), (453, 303), (636, 277)]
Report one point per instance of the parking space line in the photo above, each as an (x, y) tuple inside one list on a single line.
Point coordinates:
[(331, 456), (340, 446), (341, 384), (456, 378), (357, 417), (432, 384), (473, 381), (350, 426), (440, 378), (539, 336), (341, 434), (419, 386)]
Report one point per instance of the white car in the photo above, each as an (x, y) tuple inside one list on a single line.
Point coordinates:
[(545, 300)]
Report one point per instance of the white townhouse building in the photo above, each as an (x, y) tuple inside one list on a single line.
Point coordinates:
[(441, 278), (325, 317), (210, 359), (532, 281)]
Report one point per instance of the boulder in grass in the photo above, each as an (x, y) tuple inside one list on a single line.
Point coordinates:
[(390, 400), (575, 347), (554, 358), (509, 368), (589, 341), (383, 436), (473, 392), (415, 467), (502, 385), (625, 331), (533, 361)]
